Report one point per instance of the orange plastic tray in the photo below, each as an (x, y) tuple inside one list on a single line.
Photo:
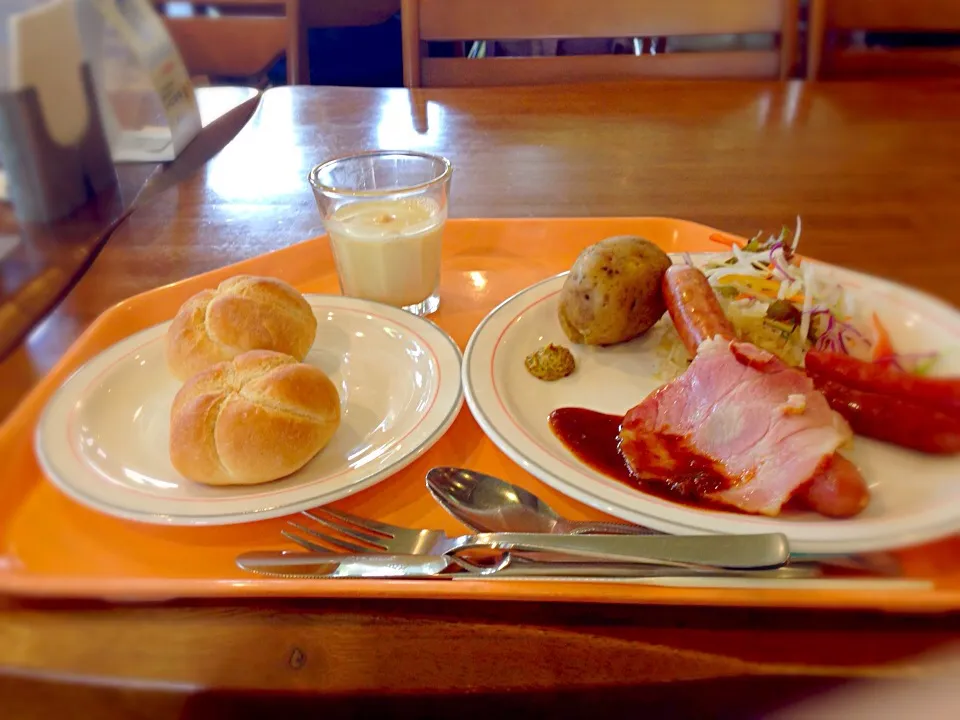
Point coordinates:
[(52, 546)]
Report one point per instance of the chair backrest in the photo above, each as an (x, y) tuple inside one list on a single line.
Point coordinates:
[(426, 21), (831, 55), (243, 39)]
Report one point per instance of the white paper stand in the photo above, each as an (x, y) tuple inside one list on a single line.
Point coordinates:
[(134, 61)]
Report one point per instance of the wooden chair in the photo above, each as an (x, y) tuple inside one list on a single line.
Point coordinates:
[(242, 39), (426, 21), (831, 55), (347, 13)]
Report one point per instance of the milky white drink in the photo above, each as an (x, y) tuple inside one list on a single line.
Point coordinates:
[(388, 250)]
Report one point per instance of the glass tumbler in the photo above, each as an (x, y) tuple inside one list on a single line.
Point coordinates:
[(385, 212)]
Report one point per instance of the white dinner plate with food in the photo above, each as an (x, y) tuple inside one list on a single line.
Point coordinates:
[(912, 496), (103, 438)]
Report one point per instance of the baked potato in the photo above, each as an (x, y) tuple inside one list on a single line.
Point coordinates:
[(612, 293)]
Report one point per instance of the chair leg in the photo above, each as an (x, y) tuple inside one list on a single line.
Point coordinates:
[(816, 20), (298, 53), (412, 47)]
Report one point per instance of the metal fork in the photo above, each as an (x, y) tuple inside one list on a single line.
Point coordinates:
[(378, 536), (363, 536)]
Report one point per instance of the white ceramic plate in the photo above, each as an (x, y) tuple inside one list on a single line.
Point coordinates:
[(914, 497), (103, 437)]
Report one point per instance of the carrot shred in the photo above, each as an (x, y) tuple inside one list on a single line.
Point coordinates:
[(883, 347), (727, 240)]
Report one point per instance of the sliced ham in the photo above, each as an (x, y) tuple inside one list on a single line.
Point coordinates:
[(757, 429)]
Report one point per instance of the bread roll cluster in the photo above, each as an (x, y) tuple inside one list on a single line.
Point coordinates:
[(249, 411), (243, 313)]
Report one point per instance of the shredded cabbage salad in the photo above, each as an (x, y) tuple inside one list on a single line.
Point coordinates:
[(779, 303)]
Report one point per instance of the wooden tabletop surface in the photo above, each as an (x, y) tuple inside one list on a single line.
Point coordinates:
[(872, 168)]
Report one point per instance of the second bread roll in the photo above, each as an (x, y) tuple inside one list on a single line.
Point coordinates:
[(243, 313), (252, 420)]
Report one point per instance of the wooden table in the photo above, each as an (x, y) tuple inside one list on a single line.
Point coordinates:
[(872, 169)]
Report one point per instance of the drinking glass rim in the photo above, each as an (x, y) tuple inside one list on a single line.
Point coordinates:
[(340, 192)]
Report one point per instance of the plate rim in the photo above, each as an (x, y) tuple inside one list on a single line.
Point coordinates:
[(875, 540), (405, 459)]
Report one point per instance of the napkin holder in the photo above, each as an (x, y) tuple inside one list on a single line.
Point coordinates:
[(55, 152), (47, 180)]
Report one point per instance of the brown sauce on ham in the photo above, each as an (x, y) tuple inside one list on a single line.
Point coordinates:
[(594, 438)]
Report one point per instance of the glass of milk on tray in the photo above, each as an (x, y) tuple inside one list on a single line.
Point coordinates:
[(384, 212)]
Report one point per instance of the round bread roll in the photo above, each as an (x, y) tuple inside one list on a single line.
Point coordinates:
[(243, 313), (251, 420)]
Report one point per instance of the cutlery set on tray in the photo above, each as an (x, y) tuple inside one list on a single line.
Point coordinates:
[(518, 536)]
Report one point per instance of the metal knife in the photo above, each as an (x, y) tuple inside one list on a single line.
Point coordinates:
[(322, 565), (353, 566), (735, 552)]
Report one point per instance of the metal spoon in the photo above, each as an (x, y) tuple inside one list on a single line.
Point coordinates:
[(483, 501), (487, 504)]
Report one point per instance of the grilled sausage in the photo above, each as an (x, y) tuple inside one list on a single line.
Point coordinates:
[(694, 307), (896, 420), (943, 393), (838, 490)]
